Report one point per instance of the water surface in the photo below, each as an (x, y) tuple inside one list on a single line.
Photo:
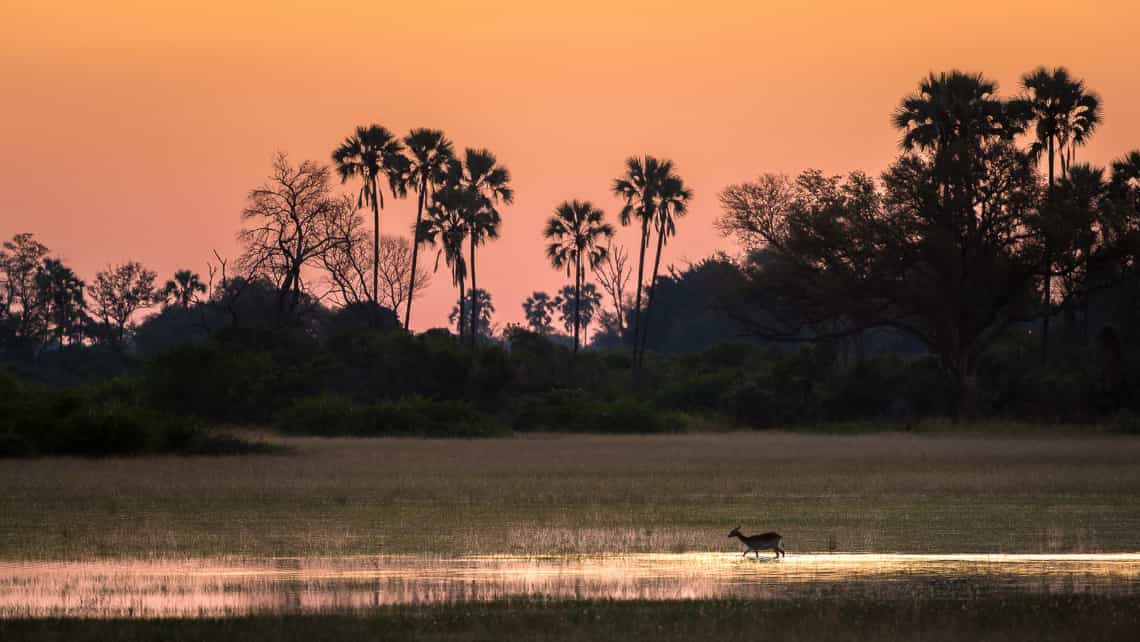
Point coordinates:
[(232, 586)]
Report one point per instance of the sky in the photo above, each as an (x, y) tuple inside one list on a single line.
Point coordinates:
[(134, 130)]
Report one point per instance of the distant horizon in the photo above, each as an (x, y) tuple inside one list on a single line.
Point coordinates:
[(137, 133)]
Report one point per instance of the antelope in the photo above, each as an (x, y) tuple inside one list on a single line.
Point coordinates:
[(757, 543)]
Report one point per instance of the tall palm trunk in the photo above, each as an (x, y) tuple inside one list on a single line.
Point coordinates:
[(652, 289), (462, 301), (577, 300), (415, 254), (375, 247), (637, 299), (474, 310), (1048, 269)]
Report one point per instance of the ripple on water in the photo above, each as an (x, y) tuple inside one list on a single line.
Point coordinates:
[(232, 586)]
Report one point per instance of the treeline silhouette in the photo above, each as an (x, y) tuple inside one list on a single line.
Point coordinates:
[(986, 273)]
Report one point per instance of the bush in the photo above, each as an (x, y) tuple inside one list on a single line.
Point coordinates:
[(573, 410), (43, 421), (330, 416)]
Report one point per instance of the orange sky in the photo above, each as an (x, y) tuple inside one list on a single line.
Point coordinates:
[(134, 130)]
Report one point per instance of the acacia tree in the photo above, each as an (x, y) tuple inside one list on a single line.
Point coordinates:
[(370, 153), (939, 249), (292, 221), (613, 273), (575, 233), (396, 264), (20, 304), (430, 153), (59, 298), (121, 291)]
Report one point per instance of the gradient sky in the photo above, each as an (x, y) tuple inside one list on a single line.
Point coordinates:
[(133, 130)]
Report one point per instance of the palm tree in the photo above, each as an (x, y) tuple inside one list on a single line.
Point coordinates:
[(368, 153), (430, 153), (672, 203), (478, 184), (638, 188), (1082, 201), (1126, 178), (1064, 114), (575, 232), (951, 113), (183, 289), (444, 225)]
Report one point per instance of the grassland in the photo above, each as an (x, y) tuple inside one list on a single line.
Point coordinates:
[(585, 494), (1089, 618)]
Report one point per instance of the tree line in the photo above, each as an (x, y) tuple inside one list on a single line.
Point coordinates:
[(987, 222), (959, 240)]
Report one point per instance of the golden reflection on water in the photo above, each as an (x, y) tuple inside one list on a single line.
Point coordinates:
[(231, 586)]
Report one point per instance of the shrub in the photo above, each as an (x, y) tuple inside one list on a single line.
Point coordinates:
[(330, 416), (573, 410), (44, 421)]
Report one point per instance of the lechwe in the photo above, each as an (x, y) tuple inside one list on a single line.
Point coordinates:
[(757, 543)]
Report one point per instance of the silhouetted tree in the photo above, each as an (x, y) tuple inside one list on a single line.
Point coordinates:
[(639, 188), (539, 309), (476, 186), (372, 152), (672, 203), (577, 306), (183, 289), (444, 226), (613, 275), (119, 292), (1064, 114), (396, 262), (575, 233), (461, 314), (59, 296), (20, 304), (430, 153), (939, 252), (294, 220)]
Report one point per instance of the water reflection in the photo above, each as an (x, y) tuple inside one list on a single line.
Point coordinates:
[(224, 586)]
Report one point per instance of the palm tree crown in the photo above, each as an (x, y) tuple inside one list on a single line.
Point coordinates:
[(476, 186), (1064, 112), (368, 153), (430, 153), (951, 113), (575, 233)]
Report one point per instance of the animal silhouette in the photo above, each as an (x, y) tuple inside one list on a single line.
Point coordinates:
[(757, 543)]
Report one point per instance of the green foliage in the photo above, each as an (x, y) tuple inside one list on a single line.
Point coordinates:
[(574, 410), (97, 421), (329, 416)]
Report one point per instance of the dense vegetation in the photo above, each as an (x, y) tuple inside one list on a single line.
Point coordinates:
[(963, 282), (99, 420), (1090, 618)]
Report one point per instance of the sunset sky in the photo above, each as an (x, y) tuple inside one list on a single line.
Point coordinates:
[(133, 130)]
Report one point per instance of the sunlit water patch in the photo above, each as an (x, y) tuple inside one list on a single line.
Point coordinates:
[(224, 586)]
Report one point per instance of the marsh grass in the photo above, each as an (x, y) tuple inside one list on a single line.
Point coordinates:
[(889, 492), (1090, 618)]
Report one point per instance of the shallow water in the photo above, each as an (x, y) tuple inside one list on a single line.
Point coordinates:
[(232, 586)]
